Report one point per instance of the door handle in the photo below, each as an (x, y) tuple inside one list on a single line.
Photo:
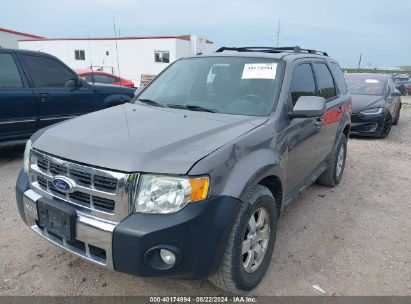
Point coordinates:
[(44, 96), (339, 109)]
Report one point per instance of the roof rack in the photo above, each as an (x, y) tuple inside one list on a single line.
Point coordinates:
[(288, 49)]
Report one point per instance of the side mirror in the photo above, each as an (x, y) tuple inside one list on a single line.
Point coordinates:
[(308, 106), (72, 84), (396, 93)]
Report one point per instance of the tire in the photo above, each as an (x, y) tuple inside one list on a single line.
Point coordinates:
[(232, 275), (386, 128), (333, 175), (397, 116)]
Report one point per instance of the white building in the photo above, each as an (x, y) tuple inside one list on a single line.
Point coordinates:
[(133, 58), (9, 38)]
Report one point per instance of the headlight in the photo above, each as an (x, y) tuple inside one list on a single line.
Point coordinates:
[(167, 194), (375, 111), (26, 161)]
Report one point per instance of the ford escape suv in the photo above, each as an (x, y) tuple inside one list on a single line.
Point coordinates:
[(188, 180)]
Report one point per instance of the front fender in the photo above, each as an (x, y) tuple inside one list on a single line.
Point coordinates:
[(250, 170)]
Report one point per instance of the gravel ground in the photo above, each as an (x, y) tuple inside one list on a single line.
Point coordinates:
[(350, 240)]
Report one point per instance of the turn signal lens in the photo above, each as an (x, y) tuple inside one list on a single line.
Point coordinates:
[(199, 188)]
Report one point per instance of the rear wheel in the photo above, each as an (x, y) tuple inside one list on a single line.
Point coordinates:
[(333, 175), (250, 245)]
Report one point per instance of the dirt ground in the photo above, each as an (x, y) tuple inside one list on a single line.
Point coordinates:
[(350, 240)]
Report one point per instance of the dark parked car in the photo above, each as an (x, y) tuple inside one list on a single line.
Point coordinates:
[(104, 78), (189, 180), (376, 104), (37, 90)]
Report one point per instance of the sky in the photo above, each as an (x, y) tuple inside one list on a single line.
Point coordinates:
[(380, 30)]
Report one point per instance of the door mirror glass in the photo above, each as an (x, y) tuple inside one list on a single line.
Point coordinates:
[(308, 106), (72, 84), (395, 93)]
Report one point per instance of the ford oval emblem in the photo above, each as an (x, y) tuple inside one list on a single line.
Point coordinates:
[(63, 184)]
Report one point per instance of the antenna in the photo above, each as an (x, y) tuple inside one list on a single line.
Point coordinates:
[(91, 60), (115, 36), (278, 31)]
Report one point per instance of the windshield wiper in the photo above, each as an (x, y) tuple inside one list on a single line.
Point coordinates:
[(150, 102), (191, 108)]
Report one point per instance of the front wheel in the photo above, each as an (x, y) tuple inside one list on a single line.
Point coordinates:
[(386, 128), (250, 245), (397, 116), (333, 175)]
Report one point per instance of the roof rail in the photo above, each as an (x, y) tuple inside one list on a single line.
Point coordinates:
[(288, 49)]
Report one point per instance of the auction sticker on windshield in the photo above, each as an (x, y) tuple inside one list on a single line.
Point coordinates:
[(372, 81), (259, 71)]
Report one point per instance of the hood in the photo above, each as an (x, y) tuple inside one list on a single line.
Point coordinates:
[(108, 88), (133, 138), (362, 102)]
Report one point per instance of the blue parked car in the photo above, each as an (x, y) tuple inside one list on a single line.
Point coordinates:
[(37, 90)]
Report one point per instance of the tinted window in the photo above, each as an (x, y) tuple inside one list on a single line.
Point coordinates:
[(99, 78), (325, 81), (302, 82), (339, 77), (47, 72), (9, 74)]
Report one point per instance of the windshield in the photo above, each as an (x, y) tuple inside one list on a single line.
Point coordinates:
[(231, 85), (365, 84)]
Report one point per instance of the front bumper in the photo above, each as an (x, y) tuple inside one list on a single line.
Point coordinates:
[(370, 125), (197, 235)]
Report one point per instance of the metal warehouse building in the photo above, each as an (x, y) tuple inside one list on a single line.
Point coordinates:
[(134, 58), (9, 38)]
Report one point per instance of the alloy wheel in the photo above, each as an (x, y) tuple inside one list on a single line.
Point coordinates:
[(255, 241)]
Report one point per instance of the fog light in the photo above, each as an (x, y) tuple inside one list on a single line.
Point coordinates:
[(167, 256)]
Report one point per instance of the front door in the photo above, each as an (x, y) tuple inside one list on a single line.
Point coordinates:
[(18, 107), (56, 101), (305, 135)]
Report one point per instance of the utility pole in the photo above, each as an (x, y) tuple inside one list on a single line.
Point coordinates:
[(115, 36), (278, 31), (359, 63)]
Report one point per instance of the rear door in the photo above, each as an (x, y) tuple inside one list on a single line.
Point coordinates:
[(18, 107), (56, 102), (337, 102)]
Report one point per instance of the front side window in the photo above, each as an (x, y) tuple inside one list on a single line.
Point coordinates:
[(79, 55), (47, 72), (9, 74), (231, 85), (162, 56), (302, 82), (325, 81)]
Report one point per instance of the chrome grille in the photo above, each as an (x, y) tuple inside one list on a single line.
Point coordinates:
[(103, 193)]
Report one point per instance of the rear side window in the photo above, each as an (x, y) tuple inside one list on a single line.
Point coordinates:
[(325, 81), (339, 77), (47, 72), (302, 82), (105, 79), (9, 74)]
